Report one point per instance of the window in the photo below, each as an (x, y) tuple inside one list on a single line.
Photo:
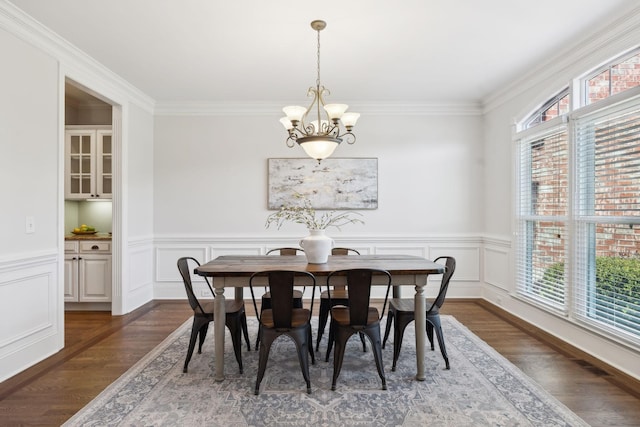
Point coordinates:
[(554, 107), (543, 216), (578, 207), (615, 78), (608, 217)]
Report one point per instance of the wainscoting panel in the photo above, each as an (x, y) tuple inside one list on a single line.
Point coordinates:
[(496, 266), (167, 258), (220, 250), (467, 260), (30, 296), (420, 251), (141, 257)]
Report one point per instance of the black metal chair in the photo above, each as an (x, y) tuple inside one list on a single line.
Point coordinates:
[(235, 319), (356, 317), (402, 311), (297, 294), (339, 297), (283, 318)]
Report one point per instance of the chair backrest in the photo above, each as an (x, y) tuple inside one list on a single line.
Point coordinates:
[(359, 282), (185, 272), (286, 251), (344, 251), (280, 284), (450, 267)]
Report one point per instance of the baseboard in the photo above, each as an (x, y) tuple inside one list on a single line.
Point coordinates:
[(593, 364)]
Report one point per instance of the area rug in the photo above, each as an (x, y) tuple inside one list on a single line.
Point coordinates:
[(482, 388)]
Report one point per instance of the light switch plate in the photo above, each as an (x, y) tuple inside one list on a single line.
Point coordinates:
[(30, 225)]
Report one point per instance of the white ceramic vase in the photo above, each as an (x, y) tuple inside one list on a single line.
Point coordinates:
[(317, 247)]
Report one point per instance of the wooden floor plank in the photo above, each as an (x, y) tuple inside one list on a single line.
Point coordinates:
[(100, 348)]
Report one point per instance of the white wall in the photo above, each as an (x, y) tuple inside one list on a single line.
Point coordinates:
[(30, 293), (212, 174)]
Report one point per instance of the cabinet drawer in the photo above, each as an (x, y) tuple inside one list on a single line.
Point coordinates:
[(95, 247), (70, 246)]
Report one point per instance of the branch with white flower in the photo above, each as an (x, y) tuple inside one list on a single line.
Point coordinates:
[(303, 213)]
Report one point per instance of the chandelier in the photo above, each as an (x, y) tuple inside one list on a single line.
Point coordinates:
[(319, 128)]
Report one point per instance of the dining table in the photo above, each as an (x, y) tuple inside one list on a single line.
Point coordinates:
[(234, 272)]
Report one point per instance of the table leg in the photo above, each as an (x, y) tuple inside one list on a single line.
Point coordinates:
[(219, 316), (420, 324)]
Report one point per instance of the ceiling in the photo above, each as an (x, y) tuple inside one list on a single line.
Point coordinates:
[(372, 51)]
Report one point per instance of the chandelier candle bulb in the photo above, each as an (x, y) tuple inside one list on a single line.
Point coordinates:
[(335, 111), (286, 123), (294, 113), (349, 120)]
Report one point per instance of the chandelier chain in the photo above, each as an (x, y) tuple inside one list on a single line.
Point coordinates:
[(318, 54)]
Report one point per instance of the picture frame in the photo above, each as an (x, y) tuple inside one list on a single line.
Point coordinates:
[(332, 184)]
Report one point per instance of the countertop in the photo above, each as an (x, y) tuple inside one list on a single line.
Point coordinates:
[(97, 236)]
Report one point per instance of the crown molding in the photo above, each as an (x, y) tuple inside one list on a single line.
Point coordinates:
[(71, 59), (614, 38), (271, 109)]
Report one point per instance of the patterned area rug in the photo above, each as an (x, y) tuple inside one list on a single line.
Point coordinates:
[(481, 389)]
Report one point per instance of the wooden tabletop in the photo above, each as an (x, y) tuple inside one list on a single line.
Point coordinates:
[(245, 265)]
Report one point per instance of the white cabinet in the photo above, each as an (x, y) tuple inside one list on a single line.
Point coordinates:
[(88, 162), (87, 271)]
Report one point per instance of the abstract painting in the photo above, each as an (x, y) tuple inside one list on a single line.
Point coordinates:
[(333, 183)]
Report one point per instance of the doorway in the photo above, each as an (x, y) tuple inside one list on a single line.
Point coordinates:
[(90, 147)]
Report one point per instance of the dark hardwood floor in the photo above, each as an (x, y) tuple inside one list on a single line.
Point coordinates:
[(99, 348)]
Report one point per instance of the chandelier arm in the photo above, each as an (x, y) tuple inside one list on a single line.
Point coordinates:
[(334, 130), (291, 140), (308, 128), (349, 137)]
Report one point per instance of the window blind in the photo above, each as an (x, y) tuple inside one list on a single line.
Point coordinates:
[(542, 216), (607, 267)]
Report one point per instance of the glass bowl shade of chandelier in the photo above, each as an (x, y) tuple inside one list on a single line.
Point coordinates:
[(320, 127)]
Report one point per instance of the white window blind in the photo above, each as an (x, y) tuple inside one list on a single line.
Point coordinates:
[(542, 216), (607, 267)]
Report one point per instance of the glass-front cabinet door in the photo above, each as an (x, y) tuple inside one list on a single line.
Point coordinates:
[(79, 165), (88, 163), (103, 172)]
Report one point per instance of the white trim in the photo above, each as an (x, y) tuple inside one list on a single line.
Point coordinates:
[(30, 260), (105, 81), (269, 109)]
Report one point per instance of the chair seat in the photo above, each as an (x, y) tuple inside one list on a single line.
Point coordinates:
[(336, 294), (406, 305), (296, 294), (299, 317), (341, 315), (231, 306)]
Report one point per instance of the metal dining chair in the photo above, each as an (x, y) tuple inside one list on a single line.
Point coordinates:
[(356, 317), (203, 314), (265, 301), (402, 312), (339, 297), (284, 318)]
